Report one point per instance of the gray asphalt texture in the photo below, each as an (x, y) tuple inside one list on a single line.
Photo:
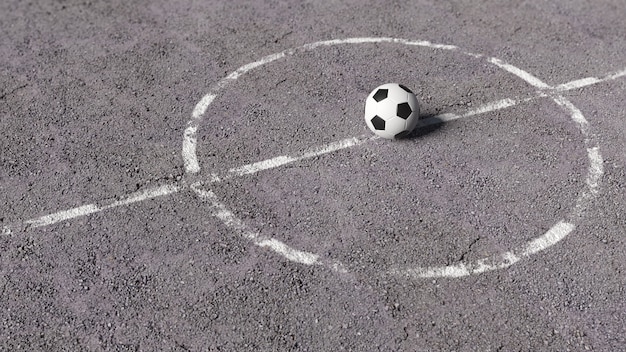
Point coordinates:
[(95, 97)]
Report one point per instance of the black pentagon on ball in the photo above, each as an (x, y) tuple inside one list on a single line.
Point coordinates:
[(378, 123), (404, 110), (380, 94)]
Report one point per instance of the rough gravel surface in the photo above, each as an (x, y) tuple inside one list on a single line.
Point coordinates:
[(95, 97)]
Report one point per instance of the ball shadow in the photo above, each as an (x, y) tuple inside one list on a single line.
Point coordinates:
[(427, 124)]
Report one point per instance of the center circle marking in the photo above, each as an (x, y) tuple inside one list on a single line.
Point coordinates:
[(497, 261)]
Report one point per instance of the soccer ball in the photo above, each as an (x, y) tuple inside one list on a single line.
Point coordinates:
[(391, 111)]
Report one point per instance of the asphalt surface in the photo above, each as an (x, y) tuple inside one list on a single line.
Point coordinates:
[(112, 242)]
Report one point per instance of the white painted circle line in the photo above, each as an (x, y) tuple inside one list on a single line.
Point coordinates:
[(220, 211), (507, 258), (552, 236), (190, 158)]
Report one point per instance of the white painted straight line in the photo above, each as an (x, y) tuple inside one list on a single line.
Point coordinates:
[(579, 83), (264, 165), (353, 141), (584, 82), (505, 103), (335, 146), (617, 74), (291, 254), (286, 159), (63, 215), (190, 142), (489, 107), (139, 196), (88, 209)]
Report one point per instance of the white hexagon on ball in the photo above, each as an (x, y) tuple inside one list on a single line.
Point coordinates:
[(391, 111)]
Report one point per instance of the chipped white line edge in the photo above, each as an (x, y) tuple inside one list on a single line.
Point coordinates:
[(501, 261), (234, 223)]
